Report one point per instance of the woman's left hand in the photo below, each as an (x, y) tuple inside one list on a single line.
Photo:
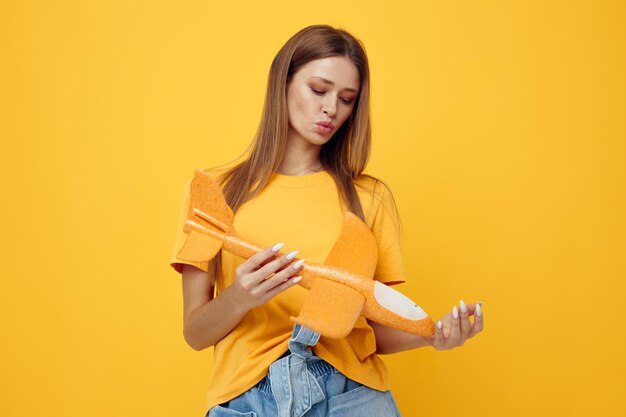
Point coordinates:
[(453, 329)]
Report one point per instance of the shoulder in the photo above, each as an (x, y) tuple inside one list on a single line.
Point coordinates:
[(217, 173), (374, 186), (375, 196)]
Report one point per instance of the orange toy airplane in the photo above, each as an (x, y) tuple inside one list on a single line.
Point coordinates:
[(341, 290)]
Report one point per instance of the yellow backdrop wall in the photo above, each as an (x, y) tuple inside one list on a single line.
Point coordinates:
[(499, 126)]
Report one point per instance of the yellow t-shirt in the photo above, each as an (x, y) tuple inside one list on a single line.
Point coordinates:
[(304, 212)]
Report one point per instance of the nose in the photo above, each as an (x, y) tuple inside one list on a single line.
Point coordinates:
[(330, 107)]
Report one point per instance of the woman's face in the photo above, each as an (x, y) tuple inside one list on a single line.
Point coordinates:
[(321, 91)]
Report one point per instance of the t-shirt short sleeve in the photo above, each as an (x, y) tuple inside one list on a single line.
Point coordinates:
[(181, 236), (386, 230)]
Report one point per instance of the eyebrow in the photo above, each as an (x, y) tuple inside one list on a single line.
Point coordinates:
[(324, 80)]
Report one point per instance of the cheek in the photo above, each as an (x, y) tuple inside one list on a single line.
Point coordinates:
[(298, 106), (345, 116)]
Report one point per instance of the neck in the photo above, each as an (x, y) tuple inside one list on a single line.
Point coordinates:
[(300, 159)]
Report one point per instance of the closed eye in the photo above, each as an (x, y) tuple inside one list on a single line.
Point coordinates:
[(320, 93)]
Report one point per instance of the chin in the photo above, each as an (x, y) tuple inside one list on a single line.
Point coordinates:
[(319, 137), (313, 136), (319, 140)]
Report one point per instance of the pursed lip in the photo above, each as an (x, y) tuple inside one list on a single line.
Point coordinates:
[(326, 124)]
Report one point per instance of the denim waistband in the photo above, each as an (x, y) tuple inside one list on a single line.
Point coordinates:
[(317, 368)]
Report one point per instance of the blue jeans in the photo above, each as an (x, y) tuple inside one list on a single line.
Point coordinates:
[(301, 384)]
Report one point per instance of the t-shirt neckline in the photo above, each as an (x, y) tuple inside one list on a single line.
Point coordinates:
[(299, 180)]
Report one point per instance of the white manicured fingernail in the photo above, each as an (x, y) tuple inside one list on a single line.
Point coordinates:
[(298, 264), (463, 307), (296, 280), (479, 311), (277, 247), (455, 312), (439, 324), (292, 254)]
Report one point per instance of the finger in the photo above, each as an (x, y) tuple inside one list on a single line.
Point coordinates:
[(478, 321), (273, 266), (439, 339), (455, 329), (464, 320), (279, 277), (253, 262), (282, 287), (265, 262), (471, 308), (447, 325)]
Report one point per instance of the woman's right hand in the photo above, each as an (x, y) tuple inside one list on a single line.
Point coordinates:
[(263, 275)]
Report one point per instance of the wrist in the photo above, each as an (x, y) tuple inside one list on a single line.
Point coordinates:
[(422, 341), (234, 303)]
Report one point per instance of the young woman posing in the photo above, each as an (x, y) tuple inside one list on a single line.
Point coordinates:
[(304, 170)]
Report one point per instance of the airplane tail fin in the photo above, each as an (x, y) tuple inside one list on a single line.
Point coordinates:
[(209, 219)]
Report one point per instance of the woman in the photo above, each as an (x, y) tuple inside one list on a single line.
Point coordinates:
[(304, 170)]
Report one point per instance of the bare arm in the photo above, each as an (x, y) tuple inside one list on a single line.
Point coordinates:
[(390, 340), (208, 320)]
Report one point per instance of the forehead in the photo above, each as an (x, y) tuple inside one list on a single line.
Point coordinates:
[(337, 69)]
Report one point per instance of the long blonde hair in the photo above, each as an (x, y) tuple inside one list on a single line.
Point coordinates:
[(344, 156)]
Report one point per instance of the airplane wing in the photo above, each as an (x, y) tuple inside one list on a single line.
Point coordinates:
[(355, 250), (331, 308)]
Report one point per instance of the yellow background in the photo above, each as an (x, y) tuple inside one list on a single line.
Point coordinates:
[(499, 126)]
